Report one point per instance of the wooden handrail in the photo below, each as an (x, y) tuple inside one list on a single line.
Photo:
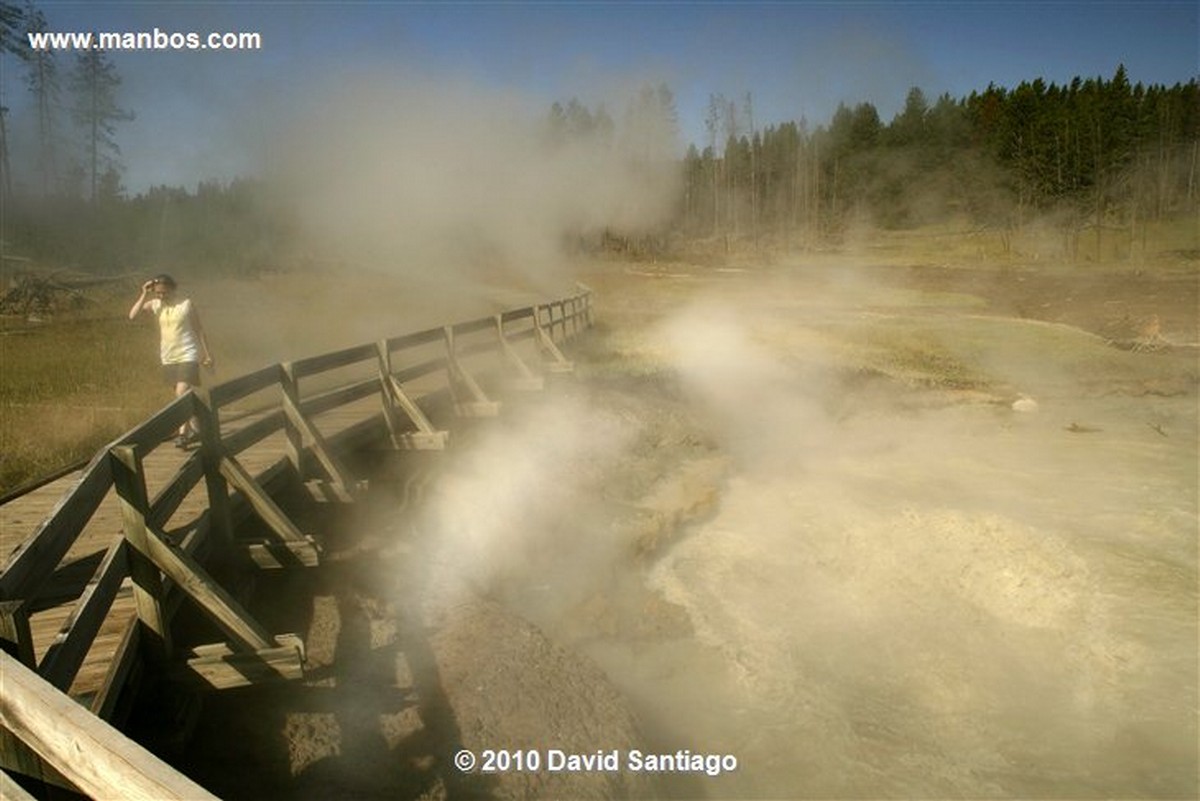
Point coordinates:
[(517, 314), (331, 361), (66, 653), (35, 559), (94, 756), (237, 388), (260, 429), (35, 707), (482, 324), (415, 339), (160, 426)]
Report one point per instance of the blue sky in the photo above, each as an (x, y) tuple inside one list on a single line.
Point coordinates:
[(200, 115)]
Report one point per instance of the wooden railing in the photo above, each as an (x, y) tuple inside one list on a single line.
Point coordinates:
[(402, 372)]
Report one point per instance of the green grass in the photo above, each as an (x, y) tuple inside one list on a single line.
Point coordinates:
[(913, 354), (1002, 354), (69, 385)]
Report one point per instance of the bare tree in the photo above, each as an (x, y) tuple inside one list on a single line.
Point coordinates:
[(712, 124), (748, 105), (11, 17)]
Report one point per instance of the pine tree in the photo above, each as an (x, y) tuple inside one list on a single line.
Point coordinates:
[(43, 84), (908, 129), (94, 83)]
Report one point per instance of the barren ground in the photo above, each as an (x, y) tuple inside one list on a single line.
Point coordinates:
[(788, 514)]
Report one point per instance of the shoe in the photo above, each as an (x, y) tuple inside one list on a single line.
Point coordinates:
[(188, 440)]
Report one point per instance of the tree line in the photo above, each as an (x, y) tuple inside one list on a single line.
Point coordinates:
[(77, 155), (1094, 155), (69, 207)]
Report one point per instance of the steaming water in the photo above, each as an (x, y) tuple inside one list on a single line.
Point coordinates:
[(978, 624), (956, 602), (942, 600)]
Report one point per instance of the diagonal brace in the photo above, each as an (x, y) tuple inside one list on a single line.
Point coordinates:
[(260, 501), (460, 380), (426, 437), (344, 485), (526, 379), (558, 363)]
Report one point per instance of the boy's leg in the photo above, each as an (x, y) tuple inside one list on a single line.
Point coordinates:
[(182, 387)]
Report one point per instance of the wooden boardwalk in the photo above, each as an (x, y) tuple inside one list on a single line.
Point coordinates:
[(20, 517), (100, 560)]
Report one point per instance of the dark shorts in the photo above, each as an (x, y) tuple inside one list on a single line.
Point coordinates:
[(187, 372)]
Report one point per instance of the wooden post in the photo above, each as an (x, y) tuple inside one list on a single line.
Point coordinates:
[(426, 437), (150, 553), (130, 482), (210, 455), (385, 392), (585, 294), (556, 363), (15, 636), (451, 364), (295, 437), (302, 434)]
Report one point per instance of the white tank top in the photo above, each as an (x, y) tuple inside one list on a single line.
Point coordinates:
[(177, 336)]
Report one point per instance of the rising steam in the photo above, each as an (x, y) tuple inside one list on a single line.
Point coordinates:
[(409, 176)]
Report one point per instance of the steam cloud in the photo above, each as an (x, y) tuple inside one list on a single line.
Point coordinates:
[(521, 492), (423, 177)]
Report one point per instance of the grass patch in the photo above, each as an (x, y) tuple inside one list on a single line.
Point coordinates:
[(48, 438), (70, 385), (998, 353), (920, 298), (916, 357)]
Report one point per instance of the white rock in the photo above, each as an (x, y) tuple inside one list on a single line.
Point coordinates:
[(1025, 404)]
